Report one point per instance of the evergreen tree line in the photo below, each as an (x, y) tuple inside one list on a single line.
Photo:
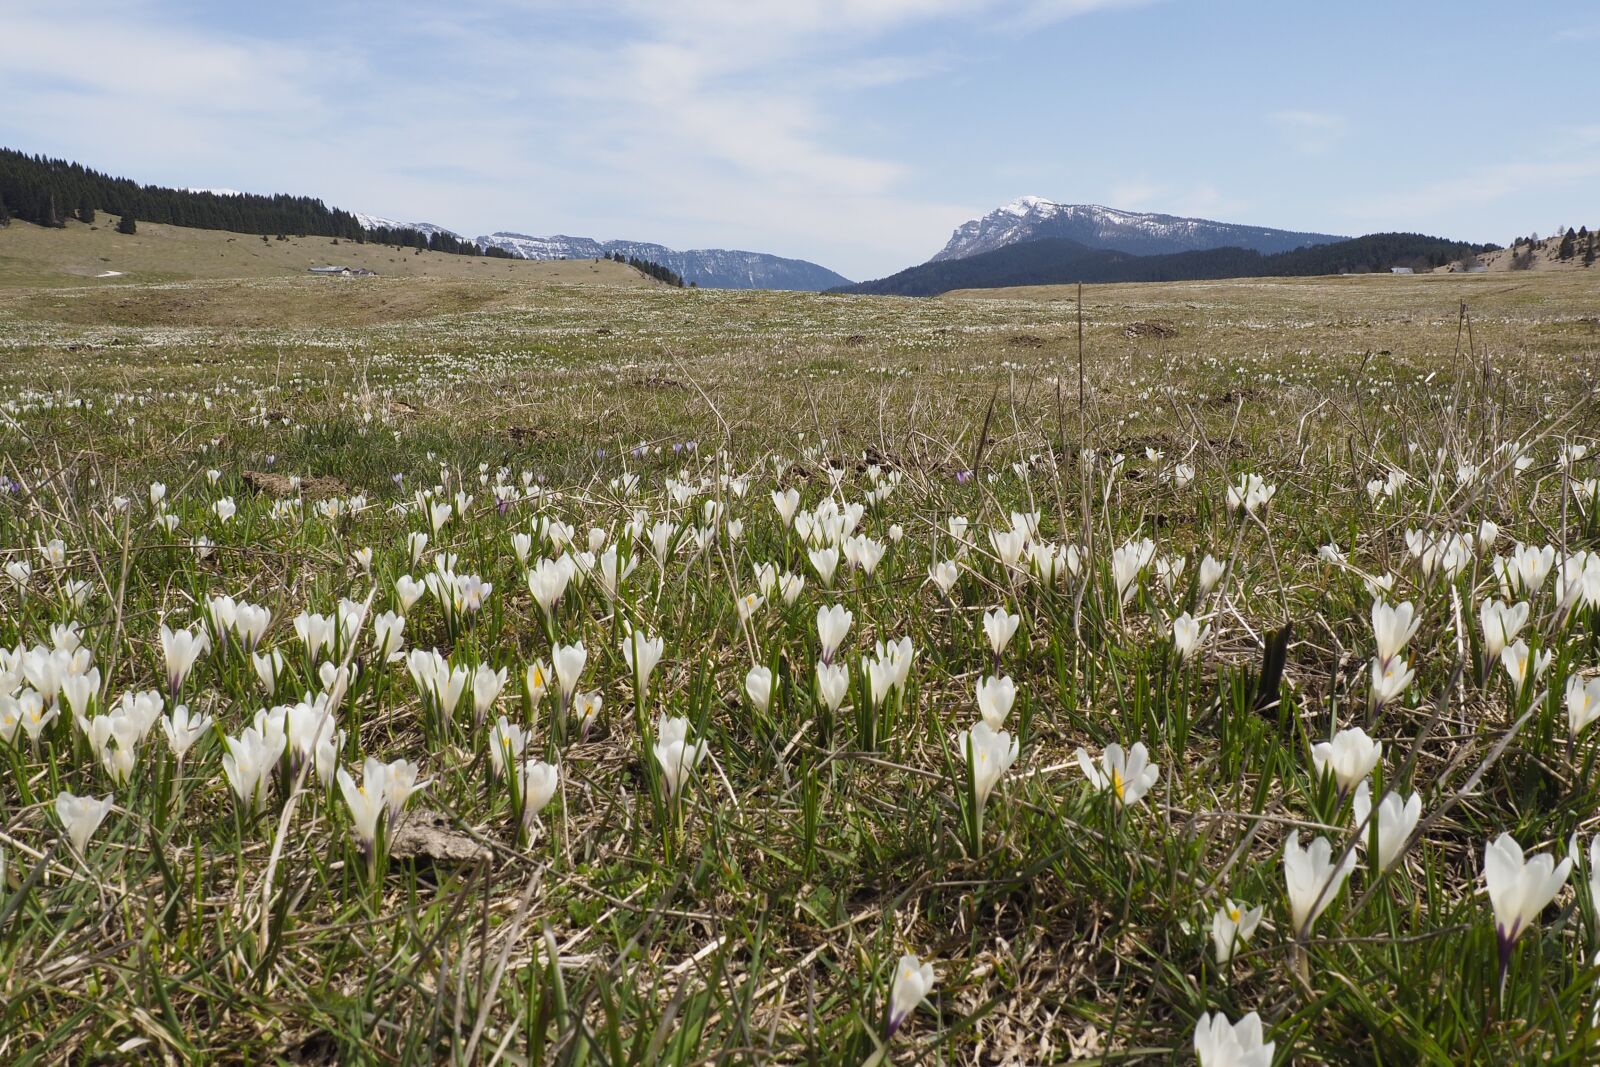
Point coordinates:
[(1577, 243), (655, 270), (47, 192), (1060, 261)]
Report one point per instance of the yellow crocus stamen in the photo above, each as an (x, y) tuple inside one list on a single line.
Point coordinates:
[(1116, 782)]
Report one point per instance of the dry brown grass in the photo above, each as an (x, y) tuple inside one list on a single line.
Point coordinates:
[(77, 255)]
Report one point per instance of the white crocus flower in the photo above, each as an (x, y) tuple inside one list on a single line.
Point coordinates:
[(1349, 757), (368, 801), (1519, 889), (539, 783), (1231, 927), (833, 624), (833, 683), (1396, 819), (268, 665), (522, 545), (408, 591), (641, 653), (1501, 624), (81, 816), (1393, 628), (535, 682), (183, 730), (507, 742), (1390, 680), (913, 980), (1583, 703), (315, 631), (989, 754), (1188, 635), (1313, 879), (1523, 666), (759, 687), (676, 754), (786, 502), (249, 763), (569, 661), (995, 697), (1000, 627), (1218, 1043), (180, 649), (1129, 775), (1594, 872), (388, 636), (825, 561), (401, 782), (486, 686), (1128, 561)]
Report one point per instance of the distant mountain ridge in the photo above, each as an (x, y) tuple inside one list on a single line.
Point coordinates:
[(378, 222), (709, 268), (1031, 218), (1062, 261)]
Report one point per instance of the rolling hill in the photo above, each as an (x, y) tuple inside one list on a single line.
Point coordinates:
[(80, 254)]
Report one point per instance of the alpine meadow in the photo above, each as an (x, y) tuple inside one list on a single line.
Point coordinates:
[(1120, 638)]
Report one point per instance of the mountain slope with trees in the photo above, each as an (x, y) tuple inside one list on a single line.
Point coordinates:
[(46, 192), (1061, 261)]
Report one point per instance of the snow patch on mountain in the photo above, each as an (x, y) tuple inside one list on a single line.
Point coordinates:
[(378, 222), (1028, 218)]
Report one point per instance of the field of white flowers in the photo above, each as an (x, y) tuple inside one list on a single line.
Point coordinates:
[(630, 676)]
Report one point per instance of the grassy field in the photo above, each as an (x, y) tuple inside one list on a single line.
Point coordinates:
[(595, 465)]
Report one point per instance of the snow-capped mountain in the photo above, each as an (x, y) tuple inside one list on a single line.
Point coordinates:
[(1138, 233), (709, 268), (378, 222)]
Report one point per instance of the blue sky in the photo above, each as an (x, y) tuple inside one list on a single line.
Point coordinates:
[(856, 133)]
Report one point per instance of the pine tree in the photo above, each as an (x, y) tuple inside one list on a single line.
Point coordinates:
[(1588, 251), (86, 210), (47, 210), (127, 224), (5, 213), (1569, 245)]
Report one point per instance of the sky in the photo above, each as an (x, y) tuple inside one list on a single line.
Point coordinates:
[(854, 133)]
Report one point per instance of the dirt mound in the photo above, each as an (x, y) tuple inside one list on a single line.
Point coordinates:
[(1153, 328)]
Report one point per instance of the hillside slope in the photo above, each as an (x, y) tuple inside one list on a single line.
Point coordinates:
[(80, 254)]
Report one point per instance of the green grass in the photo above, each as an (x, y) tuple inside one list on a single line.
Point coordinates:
[(757, 916)]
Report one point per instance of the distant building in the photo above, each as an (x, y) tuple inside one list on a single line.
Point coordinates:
[(344, 272), (1401, 270)]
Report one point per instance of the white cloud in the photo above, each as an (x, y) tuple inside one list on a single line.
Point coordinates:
[(1311, 133), (1201, 201), (703, 122), (1479, 187)]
